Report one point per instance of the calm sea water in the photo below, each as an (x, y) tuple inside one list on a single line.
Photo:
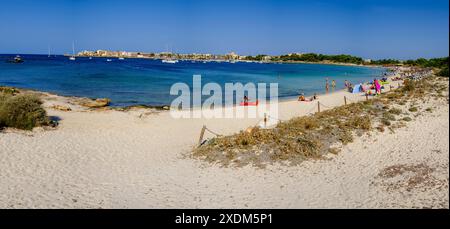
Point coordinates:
[(142, 81)]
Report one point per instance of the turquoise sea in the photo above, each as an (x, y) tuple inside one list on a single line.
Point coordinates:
[(143, 81)]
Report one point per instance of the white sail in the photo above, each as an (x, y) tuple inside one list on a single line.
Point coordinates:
[(73, 51)]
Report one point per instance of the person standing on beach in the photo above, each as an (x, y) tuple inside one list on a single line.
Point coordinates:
[(377, 86), (346, 84), (327, 85), (333, 85)]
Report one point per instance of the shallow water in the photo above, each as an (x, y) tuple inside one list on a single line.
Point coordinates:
[(143, 81)]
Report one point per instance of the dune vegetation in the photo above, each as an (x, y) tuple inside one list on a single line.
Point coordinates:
[(21, 111), (314, 136)]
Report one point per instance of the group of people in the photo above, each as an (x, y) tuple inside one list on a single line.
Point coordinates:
[(376, 84), (349, 86), (327, 85)]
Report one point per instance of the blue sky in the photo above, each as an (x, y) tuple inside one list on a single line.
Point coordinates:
[(368, 28)]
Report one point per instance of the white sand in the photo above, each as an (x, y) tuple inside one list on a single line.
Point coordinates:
[(112, 159)]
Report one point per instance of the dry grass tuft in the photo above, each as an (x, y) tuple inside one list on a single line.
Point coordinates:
[(313, 136)]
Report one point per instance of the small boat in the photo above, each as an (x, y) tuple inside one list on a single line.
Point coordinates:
[(246, 104), (169, 61), (90, 58), (108, 60), (16, 60), (121, 58)]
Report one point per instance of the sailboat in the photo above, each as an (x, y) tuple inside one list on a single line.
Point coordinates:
[(49, 51), (73, 52), (169, 60)]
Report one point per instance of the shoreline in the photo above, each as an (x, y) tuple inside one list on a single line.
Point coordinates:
[(71, 100), (163, 106), (112, 159), (214, 60)]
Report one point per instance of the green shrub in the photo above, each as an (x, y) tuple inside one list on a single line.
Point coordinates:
[(388, 116), (395, 111), (8, 90), (22, 112), (413, 109), (409, 86), (443, 72), (385, 122), (407, 119)]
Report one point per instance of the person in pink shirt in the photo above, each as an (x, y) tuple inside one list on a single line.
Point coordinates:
[(377, 86)]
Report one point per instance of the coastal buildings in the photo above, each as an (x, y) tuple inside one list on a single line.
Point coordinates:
[(233, 57), (162, 55)]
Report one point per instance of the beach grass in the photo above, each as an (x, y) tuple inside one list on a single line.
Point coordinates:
[(314, 136)]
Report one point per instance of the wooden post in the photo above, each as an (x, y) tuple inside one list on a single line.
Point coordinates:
[(265, 120), (318, 106), (345, 100), (201, 135), (367, 97)]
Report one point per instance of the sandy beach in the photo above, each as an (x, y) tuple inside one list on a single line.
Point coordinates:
[(142, 159)]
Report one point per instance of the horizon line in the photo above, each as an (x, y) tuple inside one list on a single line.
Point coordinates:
[(386, 58)]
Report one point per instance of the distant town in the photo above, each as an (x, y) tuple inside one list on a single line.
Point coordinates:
[(233, 57), (229, 57), (167, 55)]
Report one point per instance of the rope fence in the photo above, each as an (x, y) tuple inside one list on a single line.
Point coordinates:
[(213, 132), (314, 109)]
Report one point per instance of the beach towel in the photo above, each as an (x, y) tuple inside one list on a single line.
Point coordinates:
[(250, 103)]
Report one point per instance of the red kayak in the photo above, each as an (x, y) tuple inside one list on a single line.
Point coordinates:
[(250, 103)]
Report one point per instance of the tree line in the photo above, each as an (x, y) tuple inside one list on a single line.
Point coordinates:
[(440, 63)]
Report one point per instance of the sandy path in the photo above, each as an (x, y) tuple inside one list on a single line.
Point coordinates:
[(115, 159)]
